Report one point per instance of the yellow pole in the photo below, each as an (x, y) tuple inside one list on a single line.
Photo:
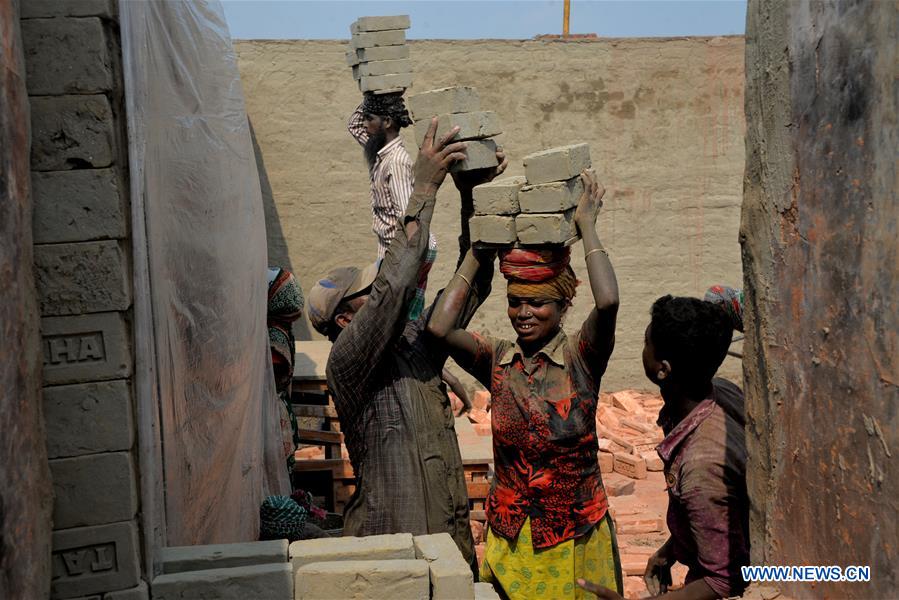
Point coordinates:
[(565, 18)]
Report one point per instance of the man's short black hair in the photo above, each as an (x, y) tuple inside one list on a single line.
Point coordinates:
[(692, 335)]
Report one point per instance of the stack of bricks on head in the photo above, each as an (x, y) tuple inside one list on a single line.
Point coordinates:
[(379, 55), (537, 209), (458, 106)]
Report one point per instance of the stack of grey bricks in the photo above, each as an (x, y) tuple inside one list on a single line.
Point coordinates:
[(379, 55), (537, 209), (397, 566), (458, 106), (82, 269), (225, 572)]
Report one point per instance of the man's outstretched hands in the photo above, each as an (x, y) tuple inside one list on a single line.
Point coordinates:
[(435, 158), (466, 180)]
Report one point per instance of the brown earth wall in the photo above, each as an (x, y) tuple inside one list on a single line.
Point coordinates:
[(663, 117)]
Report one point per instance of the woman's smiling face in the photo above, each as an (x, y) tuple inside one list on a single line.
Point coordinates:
[(535, 319)]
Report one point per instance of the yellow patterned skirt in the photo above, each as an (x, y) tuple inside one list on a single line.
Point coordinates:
[(523, 572)]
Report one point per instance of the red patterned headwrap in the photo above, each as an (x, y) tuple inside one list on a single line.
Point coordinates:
[(539, 273)]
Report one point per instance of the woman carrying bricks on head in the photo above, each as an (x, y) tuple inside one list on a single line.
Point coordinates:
[(547, 510)]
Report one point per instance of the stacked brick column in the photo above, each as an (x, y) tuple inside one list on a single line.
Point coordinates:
[(379, 55), (83, 276), (458, 106), (536, 209)]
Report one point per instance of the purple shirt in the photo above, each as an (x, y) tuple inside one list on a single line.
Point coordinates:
[(708, 507)]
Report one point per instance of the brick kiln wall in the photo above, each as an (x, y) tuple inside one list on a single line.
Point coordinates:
[(663, 117)]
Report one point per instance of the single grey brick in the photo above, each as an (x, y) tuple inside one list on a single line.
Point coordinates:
[(394, 579), (178, 559), (67, 8), (492, 229), (472, 126), (499, 197), (86, 418), (554, 228), (268, 582), (352, 59), (457, 99), (484, 591), (141, 592), (66, 56), (451, 576), (382, 67), (549, 197), (375, 39), (391, 82), (382, 53), (71, 132), (85, 277), (479, 154), (89, 560), (77, 206), (556, 164), (93, 489), (374, 547), (380, 23), (85, 348)]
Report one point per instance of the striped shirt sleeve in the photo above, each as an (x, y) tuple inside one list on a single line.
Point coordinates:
[(356, 126)]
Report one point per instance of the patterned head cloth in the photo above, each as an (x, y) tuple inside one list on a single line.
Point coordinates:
[(280, 517), (327, 293), (731, 300), (387, 105), (539, 273)]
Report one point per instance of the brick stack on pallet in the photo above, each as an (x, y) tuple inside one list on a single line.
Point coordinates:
[(458, 106), (379, 55), (537, 209)]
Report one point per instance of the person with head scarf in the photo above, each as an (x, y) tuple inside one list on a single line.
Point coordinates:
[(547, 511), (376, 125), (731, 300), (285, 305)]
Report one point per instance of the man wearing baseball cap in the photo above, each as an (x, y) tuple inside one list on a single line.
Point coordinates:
[(385, 374)]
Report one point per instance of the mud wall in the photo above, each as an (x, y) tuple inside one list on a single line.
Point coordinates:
[(820, 255), (664, 119)]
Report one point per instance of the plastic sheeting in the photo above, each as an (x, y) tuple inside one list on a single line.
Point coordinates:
[(204, 383)]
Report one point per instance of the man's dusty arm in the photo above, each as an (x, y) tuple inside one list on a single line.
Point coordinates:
[(382, 317)]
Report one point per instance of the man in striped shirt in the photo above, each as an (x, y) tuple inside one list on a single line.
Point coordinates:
[(376, 125)]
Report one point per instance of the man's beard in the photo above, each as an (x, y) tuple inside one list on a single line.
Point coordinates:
[(375, 142)]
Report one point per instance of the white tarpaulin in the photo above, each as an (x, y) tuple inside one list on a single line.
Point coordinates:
[(210, 437)]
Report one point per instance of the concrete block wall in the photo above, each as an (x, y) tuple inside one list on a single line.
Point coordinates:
[(82, 271)]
